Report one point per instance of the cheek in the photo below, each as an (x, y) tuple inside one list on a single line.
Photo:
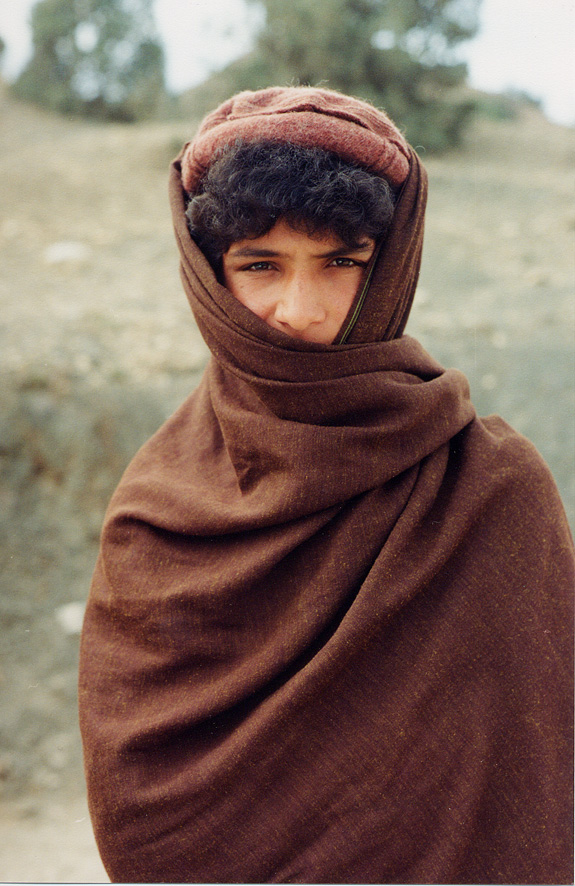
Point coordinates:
[(254, 297), (234, 283), (343, 292)]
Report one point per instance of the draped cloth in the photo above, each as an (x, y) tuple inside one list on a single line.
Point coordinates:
[(328, 635)]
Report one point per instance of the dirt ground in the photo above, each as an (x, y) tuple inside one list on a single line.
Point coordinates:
[(53, 845), (98, 346)]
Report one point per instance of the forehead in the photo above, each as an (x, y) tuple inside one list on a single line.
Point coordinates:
[(283, 238)]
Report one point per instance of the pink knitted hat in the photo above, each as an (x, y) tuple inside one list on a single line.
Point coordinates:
[(305, 116)]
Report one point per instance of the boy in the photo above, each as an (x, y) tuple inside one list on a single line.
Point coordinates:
[(328, 634)]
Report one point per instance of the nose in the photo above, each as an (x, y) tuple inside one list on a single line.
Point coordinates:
[(299, 306)]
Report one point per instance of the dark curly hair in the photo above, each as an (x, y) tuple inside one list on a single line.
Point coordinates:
[(250, 186)]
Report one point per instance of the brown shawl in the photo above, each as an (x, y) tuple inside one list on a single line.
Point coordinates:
[(328, 637)]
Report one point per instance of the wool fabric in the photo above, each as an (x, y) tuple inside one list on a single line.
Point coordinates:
[(329, 634), (305, 116)]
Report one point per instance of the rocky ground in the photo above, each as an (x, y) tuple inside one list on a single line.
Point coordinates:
[(97, 346)]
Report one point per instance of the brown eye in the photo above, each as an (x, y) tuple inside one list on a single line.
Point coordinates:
[(344, 262), (258, 266)]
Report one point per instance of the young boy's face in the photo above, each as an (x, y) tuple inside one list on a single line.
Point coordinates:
[(301, 285)]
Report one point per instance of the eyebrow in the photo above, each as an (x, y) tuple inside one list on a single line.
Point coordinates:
[(260, 252)]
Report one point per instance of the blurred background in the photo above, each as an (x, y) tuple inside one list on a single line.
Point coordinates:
[(97, 343)]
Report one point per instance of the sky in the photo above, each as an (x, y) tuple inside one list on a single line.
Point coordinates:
[(523, 44)]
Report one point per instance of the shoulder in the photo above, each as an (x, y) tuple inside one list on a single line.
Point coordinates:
[(507, 455), (517, 488)]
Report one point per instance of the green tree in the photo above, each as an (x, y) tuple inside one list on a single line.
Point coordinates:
[(98, 58), (398, 54)]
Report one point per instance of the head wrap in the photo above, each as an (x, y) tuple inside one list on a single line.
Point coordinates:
[(327, 639), (355, 131), (305, 116)]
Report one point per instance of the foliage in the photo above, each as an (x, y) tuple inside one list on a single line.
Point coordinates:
[(95, 58), (398, 54), (505, 105)]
